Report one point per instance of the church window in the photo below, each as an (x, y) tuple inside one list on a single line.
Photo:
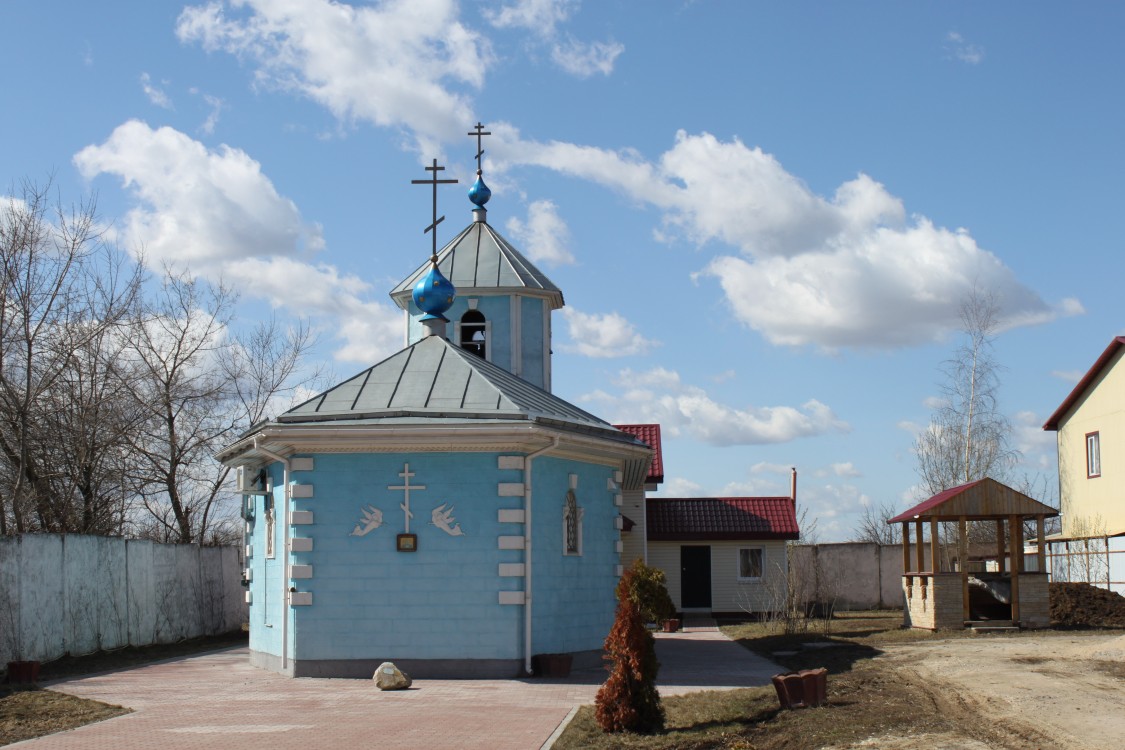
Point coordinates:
[(572, 525), (473, 332)]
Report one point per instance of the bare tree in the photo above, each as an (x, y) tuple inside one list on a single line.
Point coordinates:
[(200, 385), (62, 291), (967, 438), (873, 527)]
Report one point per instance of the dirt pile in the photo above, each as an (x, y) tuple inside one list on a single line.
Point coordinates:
[(1083, 605)]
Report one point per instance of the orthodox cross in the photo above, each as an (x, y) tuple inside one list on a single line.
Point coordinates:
[(435, 182), (479, 132), (406, 486)]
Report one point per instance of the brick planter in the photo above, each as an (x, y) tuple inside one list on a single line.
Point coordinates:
[(22, 672), (804, 689), (551, 665)]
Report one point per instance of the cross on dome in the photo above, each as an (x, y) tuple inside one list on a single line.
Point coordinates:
[(479, 192)]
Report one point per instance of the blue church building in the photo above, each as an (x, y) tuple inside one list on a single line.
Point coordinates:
[(441, 509)]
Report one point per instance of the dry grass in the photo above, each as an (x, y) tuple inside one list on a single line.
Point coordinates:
[(31, 712), (866, 698)]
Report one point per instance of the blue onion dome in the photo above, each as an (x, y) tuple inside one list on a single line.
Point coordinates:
[(434, 293), (479, 192)]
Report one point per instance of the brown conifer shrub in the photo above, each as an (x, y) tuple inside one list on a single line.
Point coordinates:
[(629, 701)]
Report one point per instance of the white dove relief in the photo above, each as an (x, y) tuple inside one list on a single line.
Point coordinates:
[(372, 518), (443, 519)]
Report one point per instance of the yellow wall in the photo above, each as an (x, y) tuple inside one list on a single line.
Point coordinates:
[(633, 542), (728, 594), (1095, 506)]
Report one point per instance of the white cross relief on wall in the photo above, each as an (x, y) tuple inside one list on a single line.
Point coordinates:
[(406, 487)]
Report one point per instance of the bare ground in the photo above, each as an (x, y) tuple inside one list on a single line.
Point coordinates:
[(1044, 691)]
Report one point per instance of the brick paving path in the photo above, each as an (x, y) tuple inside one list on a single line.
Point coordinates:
[(219, 700)]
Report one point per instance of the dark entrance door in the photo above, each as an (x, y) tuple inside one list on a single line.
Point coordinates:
[(695, 577)]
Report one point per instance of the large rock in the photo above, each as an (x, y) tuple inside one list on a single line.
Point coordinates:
[(390, 677)]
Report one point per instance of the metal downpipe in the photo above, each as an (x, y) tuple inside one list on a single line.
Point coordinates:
[(285, 609), (527, 551)]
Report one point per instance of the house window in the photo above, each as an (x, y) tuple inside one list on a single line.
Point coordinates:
[(572, 525), (750, 561), (1093, 455), (473, 326)]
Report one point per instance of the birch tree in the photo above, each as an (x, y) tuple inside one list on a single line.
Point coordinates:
[(968, 436)]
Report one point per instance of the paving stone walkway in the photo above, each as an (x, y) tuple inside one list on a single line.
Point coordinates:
[(219, 700)]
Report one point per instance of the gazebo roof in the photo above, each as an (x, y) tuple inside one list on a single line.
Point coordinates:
[(984, 499)]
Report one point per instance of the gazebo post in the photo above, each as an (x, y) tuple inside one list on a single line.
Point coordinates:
[(906, 547), (1000, 545), (1016, 526), (963, 554), (935, 560), (1042, 546), (918, 546)]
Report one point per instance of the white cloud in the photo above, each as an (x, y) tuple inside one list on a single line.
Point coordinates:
[(845, 469), (155, 94), (542, 18), (391, 64), (544, 236), (1038, 447), (680, 487), (1070, 376), (831, 272), (369, 330), (196, 205), (659, 396), (763, 467), (603, 335), (966, 52), (216, 104), (584, 59), (215, 213), (933, 403), (539, 16)]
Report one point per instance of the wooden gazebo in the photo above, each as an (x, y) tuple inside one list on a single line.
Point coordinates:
[(1007, 595)]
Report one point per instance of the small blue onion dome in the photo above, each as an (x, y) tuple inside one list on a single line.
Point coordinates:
[(434, 293), (479, 192)]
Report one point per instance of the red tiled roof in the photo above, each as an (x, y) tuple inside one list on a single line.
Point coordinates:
[(983, 499), (719, 518), (650, 435), (933, 502), (1053, 422)]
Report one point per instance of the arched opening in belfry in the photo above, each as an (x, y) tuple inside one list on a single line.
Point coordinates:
[(473, 333)]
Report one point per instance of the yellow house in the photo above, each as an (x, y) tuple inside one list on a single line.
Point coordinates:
[(1090, 424), (1090, 427)]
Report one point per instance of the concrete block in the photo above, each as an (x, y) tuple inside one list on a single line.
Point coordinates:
[(510, 489), (301, 517), (511, 570), (300, 571), (300, 598), (306, 463), (301, 491), (510, 542), (300, 544), (510, 515), (511, 597), (509, 462)]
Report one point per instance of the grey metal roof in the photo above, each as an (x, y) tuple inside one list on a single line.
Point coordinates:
[(479, 258), (434, 381)]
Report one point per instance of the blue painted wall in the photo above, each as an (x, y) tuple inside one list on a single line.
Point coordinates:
[(497, 309), (440, 602), (371, 601), (573, 595), (267, 603)]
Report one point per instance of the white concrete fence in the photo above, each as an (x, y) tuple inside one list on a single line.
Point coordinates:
[(857, 575), (76, 594)]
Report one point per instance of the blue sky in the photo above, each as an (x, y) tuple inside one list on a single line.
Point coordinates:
[(763, 216)]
